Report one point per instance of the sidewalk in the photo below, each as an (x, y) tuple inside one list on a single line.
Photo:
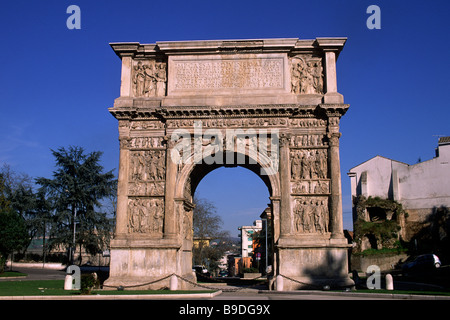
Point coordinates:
[(187, 296), (47, 265), (356, 295)]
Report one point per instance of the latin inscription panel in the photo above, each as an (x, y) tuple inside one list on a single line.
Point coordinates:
[(243, 73)]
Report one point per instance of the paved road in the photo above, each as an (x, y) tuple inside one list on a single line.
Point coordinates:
[(40, 273), (248, 295), (245, 294)]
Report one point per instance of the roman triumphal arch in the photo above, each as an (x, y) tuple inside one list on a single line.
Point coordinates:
[(189, 107)]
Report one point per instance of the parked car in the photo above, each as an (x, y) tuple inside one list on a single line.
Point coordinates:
[(425, 262), (200, 269), (223, 273)]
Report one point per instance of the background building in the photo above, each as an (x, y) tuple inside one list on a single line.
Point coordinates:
[(416, 196), (247, 235)]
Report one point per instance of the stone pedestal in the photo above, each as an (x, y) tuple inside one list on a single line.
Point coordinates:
[(312, 264), (140, 264)]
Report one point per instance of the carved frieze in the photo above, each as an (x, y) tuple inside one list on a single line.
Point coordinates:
[(146, 188), (145, 125), (311, 187), (146, 216), (307, 123), (146, 142), (186, 217), (188, 189), (307, 140), (228, 123), (311, 215)]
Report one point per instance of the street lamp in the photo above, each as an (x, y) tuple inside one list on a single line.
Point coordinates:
[(73, 247), (265, 227), (74, 231)]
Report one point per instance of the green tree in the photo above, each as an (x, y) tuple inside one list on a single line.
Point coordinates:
[(23, 201), (207, 226), (75, 193), (32, 206), (4, 203), (13, 234), (13, 230)]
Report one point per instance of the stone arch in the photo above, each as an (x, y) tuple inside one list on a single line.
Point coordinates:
[(190, 176), (254, 86), (200, 170)]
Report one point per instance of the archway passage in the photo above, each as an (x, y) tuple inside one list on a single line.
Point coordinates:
[(205, 167), (243, 199), (191, 174), (188, 108), (239, 195)]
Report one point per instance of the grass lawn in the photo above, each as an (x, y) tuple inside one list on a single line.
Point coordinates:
[(433, 293), (56, 288), (9, 274)]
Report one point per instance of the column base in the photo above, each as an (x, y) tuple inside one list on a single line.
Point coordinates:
[(308, 265), (309, 283), (139, 263), (148, 283)]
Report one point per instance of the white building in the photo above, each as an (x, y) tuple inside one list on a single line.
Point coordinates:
[(421, 188), (247, 236)]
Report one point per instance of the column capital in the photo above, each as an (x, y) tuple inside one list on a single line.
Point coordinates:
[(334, 138), (284, 139), (124, 142), (169, 142)]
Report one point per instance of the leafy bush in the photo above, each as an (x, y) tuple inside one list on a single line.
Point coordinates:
[(89, 282)]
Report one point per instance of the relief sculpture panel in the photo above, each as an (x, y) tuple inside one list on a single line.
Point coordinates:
[(146, 215), (147, 165), (149, 78), (306, 75), (311, 215), (147, 173), (309, 164)]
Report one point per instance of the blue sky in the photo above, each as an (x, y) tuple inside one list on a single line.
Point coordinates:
[(56, 84)]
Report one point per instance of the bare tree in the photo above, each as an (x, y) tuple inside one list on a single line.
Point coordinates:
[(207, 226)]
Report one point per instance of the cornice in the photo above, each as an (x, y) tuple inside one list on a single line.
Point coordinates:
[(244, 111), (165, 48)]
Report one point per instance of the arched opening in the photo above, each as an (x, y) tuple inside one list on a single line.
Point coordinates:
[(241, 200), (243, 197), (238, 194), (199, 170)]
